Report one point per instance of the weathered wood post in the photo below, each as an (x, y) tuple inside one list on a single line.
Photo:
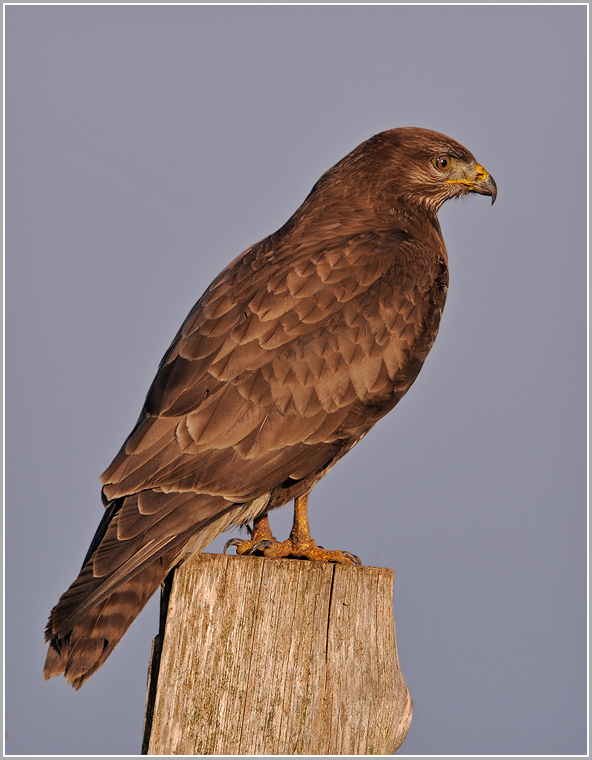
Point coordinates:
[(263, 656)]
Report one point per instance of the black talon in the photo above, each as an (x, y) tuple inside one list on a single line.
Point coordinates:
[(259, 545), (356, 560), (232, 542)]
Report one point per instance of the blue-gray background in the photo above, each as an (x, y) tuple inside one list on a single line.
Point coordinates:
[(145, 148)]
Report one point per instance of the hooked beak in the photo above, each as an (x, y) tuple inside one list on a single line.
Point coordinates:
[(482, 182)]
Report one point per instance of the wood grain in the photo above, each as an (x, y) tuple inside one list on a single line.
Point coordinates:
[(259, 656)]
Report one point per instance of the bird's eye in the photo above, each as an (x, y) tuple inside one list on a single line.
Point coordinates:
[(443, 163)]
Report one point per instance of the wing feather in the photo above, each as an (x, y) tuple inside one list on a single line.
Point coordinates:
[(266, 364)]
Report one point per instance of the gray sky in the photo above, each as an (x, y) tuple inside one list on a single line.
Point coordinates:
[(145, 148)]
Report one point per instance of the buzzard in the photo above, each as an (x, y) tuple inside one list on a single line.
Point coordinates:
[(288, 359)]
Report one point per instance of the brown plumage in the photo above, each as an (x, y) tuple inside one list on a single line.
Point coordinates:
[(291, 355)]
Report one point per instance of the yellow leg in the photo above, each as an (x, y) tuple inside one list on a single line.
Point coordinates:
[(300, 532), (261, 529), (300, 545)]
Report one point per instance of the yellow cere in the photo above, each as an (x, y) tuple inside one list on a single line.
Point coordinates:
[(480, 172)]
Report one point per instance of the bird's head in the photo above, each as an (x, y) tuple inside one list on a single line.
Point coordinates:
[(396, 174), (428, 168)]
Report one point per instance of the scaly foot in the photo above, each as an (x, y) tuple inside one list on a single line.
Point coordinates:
[(287, 549), (300, 545)]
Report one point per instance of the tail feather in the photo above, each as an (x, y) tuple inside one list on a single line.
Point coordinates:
[(94, 613), (81, 652)]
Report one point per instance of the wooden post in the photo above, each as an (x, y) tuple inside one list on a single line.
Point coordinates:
[(284, 657)]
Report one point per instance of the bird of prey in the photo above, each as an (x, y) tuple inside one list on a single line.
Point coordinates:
[(288, 359)]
